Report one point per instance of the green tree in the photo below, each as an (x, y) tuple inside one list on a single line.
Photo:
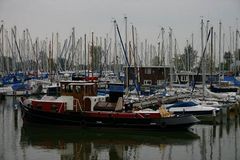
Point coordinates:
[(96, 59), (228, 60), (155, 61), (187, 60)]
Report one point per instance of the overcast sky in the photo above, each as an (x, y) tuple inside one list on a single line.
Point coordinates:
[(42, 17)]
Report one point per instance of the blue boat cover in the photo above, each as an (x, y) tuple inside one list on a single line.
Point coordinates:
[(182, 104), (20, 87), (232, 79)]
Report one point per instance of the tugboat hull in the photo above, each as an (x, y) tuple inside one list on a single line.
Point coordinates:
[(109, 119)]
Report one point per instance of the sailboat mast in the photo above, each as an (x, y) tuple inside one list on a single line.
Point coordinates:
[(170, 56), (158, 52), (203, 62), (92, 56), (85, 55), (207, 51), (126, 52), (145, 55), (2, 28), (211, 55), (162, 50), (192, 41), (163, 54), (73, 49), (223, 49), (7, 52), (37, 65), (236, 47), (126, 41), (136, 45), (230, 48), (175, 52), (220, 34), (13, 53), (115, 44), (214, 52), (51, 60), (133, 47), (57, 68)]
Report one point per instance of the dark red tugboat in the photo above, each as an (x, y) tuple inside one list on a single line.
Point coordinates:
[(79, 105)]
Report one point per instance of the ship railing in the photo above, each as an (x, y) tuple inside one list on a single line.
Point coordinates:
[(77, 105), (140, 115), (62, 105)]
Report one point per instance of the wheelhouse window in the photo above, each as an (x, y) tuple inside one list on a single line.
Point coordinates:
[(63, 87), (78, 89), (69, 88)]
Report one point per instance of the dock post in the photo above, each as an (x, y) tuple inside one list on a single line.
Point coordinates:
[(238, 106), (221, 116), (214, 116), (228, 112), (236, 110)]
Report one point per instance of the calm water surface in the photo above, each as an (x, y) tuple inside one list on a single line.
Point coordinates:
[(38, 142)]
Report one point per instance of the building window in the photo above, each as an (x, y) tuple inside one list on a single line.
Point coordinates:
[(184, 78), (63, 88), (69, 89), (147, 82), (147, 71), (175, 78), (160, 82)]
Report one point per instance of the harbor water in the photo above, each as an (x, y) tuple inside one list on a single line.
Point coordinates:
[(20, 141)]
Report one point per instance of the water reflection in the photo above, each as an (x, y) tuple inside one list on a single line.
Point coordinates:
[(103, 144), (10, 132), (27, 142)]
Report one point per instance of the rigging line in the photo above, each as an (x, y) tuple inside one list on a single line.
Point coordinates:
[(61, 55), (19, 54), (124, 49), (28, 34), (74, 53), (200, 64), (4, 63), (67, 57), (63, 48)]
